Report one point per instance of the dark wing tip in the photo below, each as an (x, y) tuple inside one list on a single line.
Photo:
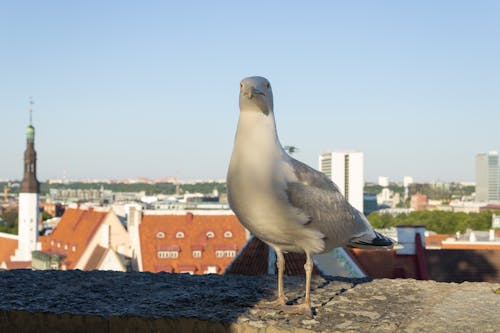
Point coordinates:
[(380, 242)]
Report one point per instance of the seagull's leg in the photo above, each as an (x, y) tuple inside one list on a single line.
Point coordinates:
[(280, 262), (280, 303), (308, 267), (281, 300), (305, 307)]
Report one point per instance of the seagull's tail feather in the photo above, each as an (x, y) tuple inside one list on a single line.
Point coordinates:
[(379, 242)]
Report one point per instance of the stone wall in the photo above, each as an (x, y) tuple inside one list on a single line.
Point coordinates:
[(76, 301)]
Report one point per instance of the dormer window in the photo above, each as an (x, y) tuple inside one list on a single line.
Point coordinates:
[(210, 234), (228, 234), (73, 248), (167, 254), (179, 234), (58, 244), (160, 234), (66, 246)]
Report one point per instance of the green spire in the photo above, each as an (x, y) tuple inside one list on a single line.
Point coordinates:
[(30, 133)]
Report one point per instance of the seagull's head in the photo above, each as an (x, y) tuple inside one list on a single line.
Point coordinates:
[(256, 95)]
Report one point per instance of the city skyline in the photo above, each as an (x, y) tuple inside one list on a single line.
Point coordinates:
[(126, 90)]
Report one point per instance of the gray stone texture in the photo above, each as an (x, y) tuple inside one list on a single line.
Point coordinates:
[(76, 301)]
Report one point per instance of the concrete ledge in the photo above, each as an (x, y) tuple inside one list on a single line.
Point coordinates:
[(75, 301)]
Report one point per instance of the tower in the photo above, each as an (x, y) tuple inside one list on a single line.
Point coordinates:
[(28, 200), (345, 169)]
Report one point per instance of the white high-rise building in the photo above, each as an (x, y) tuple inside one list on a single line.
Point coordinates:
[(28, 202), (345, 168), (487, 177), (407, 181)]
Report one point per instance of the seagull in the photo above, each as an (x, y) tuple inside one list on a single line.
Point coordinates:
[(284, 202)]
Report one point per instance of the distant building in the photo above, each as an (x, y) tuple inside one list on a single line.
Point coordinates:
[(407, 180), (85, 239), (474, 240), (388, 198), (370, 203), (345, 168), (419, 201), (383, 181), (487, 177), (200, 242)]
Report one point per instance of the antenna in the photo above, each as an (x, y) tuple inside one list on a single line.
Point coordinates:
[(31, 109)]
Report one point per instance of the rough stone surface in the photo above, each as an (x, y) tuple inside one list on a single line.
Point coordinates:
[(76, 301)]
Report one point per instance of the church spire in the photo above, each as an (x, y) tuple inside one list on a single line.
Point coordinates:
[(30, 184), (31, 110)]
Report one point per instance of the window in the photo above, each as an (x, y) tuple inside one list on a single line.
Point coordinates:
[(179, 234), (65, 246), (52, 242), (160, 234), (228, 234), (219, 254), (210, 234), (197, 254), (73, 248), (58, 244), (167, 254), (230, 253)]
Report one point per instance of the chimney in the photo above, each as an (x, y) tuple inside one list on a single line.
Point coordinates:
[(130, 217), (407, 236), (189, 217), (134, 217)]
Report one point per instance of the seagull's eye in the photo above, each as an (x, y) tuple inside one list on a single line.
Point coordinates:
[(268, 85), (241, 85)]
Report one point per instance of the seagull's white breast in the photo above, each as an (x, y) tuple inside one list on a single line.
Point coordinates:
[(257, 178)]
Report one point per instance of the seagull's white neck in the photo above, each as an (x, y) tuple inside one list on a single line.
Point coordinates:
[(257, 132)]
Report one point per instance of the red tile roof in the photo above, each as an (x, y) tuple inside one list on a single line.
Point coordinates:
[(8, 247), (73, 234), (160, 233), (252, 260)]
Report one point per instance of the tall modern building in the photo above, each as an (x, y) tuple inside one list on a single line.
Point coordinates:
[(345, 168), (28, 202), (487, 177)]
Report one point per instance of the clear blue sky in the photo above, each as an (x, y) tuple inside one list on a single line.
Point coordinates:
[(150, 88)]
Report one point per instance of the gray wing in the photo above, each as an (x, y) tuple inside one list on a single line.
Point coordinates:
[(329, 212)]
